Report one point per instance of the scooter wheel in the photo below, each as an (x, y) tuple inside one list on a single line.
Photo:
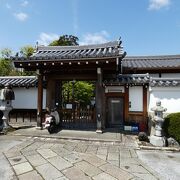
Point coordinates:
[(51, 129)]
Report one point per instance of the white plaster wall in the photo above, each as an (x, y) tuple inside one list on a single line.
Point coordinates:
[(136, 98), (27, 98), (154, 75), (166, 75), (170, 75), (169, 96)]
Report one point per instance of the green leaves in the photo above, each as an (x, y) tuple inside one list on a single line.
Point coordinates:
[(65, 40), (27, 51), (81, 91), (6, 53), (5, 67)]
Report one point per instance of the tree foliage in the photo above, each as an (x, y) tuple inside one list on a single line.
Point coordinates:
[(65, 40), (83, 92), (6, 53), (171, 126), (5, 63), (5, 67), (27, 51)]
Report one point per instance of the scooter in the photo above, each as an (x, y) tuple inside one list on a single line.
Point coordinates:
[(52, 121)]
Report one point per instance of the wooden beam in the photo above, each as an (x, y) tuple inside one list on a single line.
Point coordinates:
[(40, 101), (50, 93), (99, 101), (126, 103), (58, 93), (70, 77), (145, 104)]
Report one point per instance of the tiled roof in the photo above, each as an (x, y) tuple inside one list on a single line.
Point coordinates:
[(151, 62), (18, 81), (135, 79), (110, 49), (140, 79), (164, 82)]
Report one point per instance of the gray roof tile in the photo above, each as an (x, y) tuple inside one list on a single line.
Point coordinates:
[(18, 81), (151, 62), (136, 79), (110, 49), (164, 82)]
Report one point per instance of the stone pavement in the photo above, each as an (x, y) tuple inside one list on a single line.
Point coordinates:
[(88, 135), (62, 159)]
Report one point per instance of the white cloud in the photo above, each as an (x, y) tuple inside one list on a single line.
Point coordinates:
[(24, 3), (94, 38), (158, 4), (21, 16), (8, 6), (47, 38)]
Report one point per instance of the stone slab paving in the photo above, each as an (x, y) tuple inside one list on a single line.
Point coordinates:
[(17, 160), (75, 174), (32, 175), (46, 153), (51, 158), (104, 176), (116, 172), (36, 159), (22, 168), (48, 171), (59, 163), (88, 169)]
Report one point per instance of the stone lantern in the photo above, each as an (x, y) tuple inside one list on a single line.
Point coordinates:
[(157, 139), (6, 97)]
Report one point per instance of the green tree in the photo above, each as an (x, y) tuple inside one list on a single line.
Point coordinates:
[(65, 40), (27, 51), (5, 63), (82, 90), (6, 53), (5, 67)]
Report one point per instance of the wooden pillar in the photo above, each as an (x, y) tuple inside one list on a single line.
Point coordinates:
[(145, 106), (126, 103), (40, 101), (58, 94), (50, 97), (99, 101)]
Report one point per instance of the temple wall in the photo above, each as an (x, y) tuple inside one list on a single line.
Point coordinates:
[(136, 98), (154, 75), (169, 96), (166, 75), (170, 75), (27, 98)]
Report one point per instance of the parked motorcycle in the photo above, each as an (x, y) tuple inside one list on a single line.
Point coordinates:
[(52, 121)]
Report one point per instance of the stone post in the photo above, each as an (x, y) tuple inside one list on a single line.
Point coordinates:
[(157, 138), (6, 97)]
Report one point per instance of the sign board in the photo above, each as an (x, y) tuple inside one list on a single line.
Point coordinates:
[(68, 106), (111, 89)]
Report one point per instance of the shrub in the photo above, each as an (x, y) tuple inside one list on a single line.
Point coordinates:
[(143, 137), (171, 126)]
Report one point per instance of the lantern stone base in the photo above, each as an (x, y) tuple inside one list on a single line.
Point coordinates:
[(158, 141)]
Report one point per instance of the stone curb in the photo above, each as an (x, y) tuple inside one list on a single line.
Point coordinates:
[(115, 142), (140, 146)]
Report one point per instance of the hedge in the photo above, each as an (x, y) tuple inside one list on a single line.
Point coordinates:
[(171, 126)]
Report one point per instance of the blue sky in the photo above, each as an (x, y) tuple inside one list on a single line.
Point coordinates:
[(147, 27)]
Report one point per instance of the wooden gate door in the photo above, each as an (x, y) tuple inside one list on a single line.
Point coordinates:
[(115, 111), (78, 119)]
